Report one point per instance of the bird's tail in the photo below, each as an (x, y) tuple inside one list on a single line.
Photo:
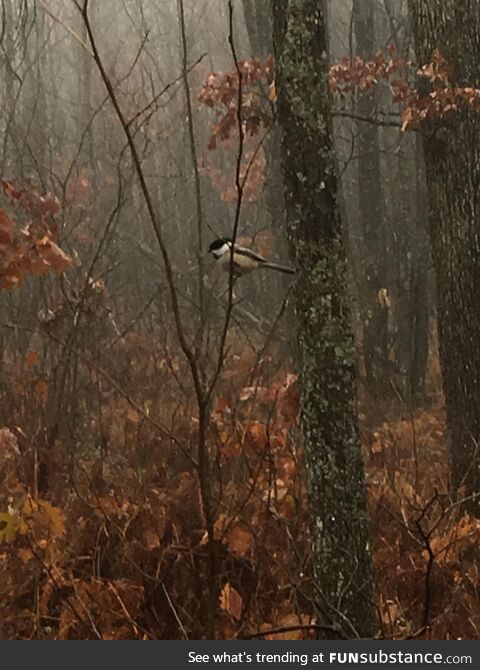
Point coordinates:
[(279, 268)]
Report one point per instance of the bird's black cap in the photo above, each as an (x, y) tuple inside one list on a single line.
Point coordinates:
[(218, 244)]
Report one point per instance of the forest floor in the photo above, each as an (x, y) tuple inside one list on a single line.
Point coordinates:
[(109, 541)]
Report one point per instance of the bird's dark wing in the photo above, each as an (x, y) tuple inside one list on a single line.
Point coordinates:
[(245, 251)]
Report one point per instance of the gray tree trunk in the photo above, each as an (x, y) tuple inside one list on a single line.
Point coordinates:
[(452, 159), (332, 451), (374, 313), (258, 20)]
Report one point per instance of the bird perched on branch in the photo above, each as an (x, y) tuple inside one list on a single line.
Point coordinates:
[(245, 260)]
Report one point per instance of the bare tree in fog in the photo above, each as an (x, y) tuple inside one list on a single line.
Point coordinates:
[(182, 448)]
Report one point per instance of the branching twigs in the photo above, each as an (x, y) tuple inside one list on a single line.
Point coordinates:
[(48, 571), (154, 220), (134, 624), (191, 348), (153, 102), (426, 536), (196, 174), (421, 528), (114, 384), (202, 397), (47, 10), (239, 185), (98, 109), (204, 459), (268, 339), (70, 346)]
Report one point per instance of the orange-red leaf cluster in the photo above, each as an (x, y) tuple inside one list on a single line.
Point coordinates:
[(221, 93), (444, 97), (27, 235)]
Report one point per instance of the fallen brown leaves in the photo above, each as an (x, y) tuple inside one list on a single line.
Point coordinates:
[(423, 547), (116, 546)]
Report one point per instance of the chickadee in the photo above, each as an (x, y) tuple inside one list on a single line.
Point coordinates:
[(244, 259)]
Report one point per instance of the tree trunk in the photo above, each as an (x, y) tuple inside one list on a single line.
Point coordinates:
[(410, 271), (419, 286), (374, 311), (258, 20), (332, 451), (452, 158)]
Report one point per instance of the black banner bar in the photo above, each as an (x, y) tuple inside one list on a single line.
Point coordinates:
[(190, 655)]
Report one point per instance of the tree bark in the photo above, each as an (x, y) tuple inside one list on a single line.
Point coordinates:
[(452, 158), (332, 451)]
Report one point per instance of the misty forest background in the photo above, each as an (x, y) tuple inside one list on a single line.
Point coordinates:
[(185, 456)]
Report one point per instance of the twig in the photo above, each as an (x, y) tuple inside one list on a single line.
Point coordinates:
[(286, 629), (166, 88), (115, 385), (239, 184), (154, 220), (428, 573), (175, 614), (59, 590), (196, 175), (64, 25), (367, 119)]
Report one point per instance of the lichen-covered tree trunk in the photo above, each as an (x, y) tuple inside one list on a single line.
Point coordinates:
[(452, 158), (332, 451)]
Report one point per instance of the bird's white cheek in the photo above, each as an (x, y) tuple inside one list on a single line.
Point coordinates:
[(223, 251)]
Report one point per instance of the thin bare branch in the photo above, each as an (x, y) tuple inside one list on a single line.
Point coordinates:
[(47, 10)]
